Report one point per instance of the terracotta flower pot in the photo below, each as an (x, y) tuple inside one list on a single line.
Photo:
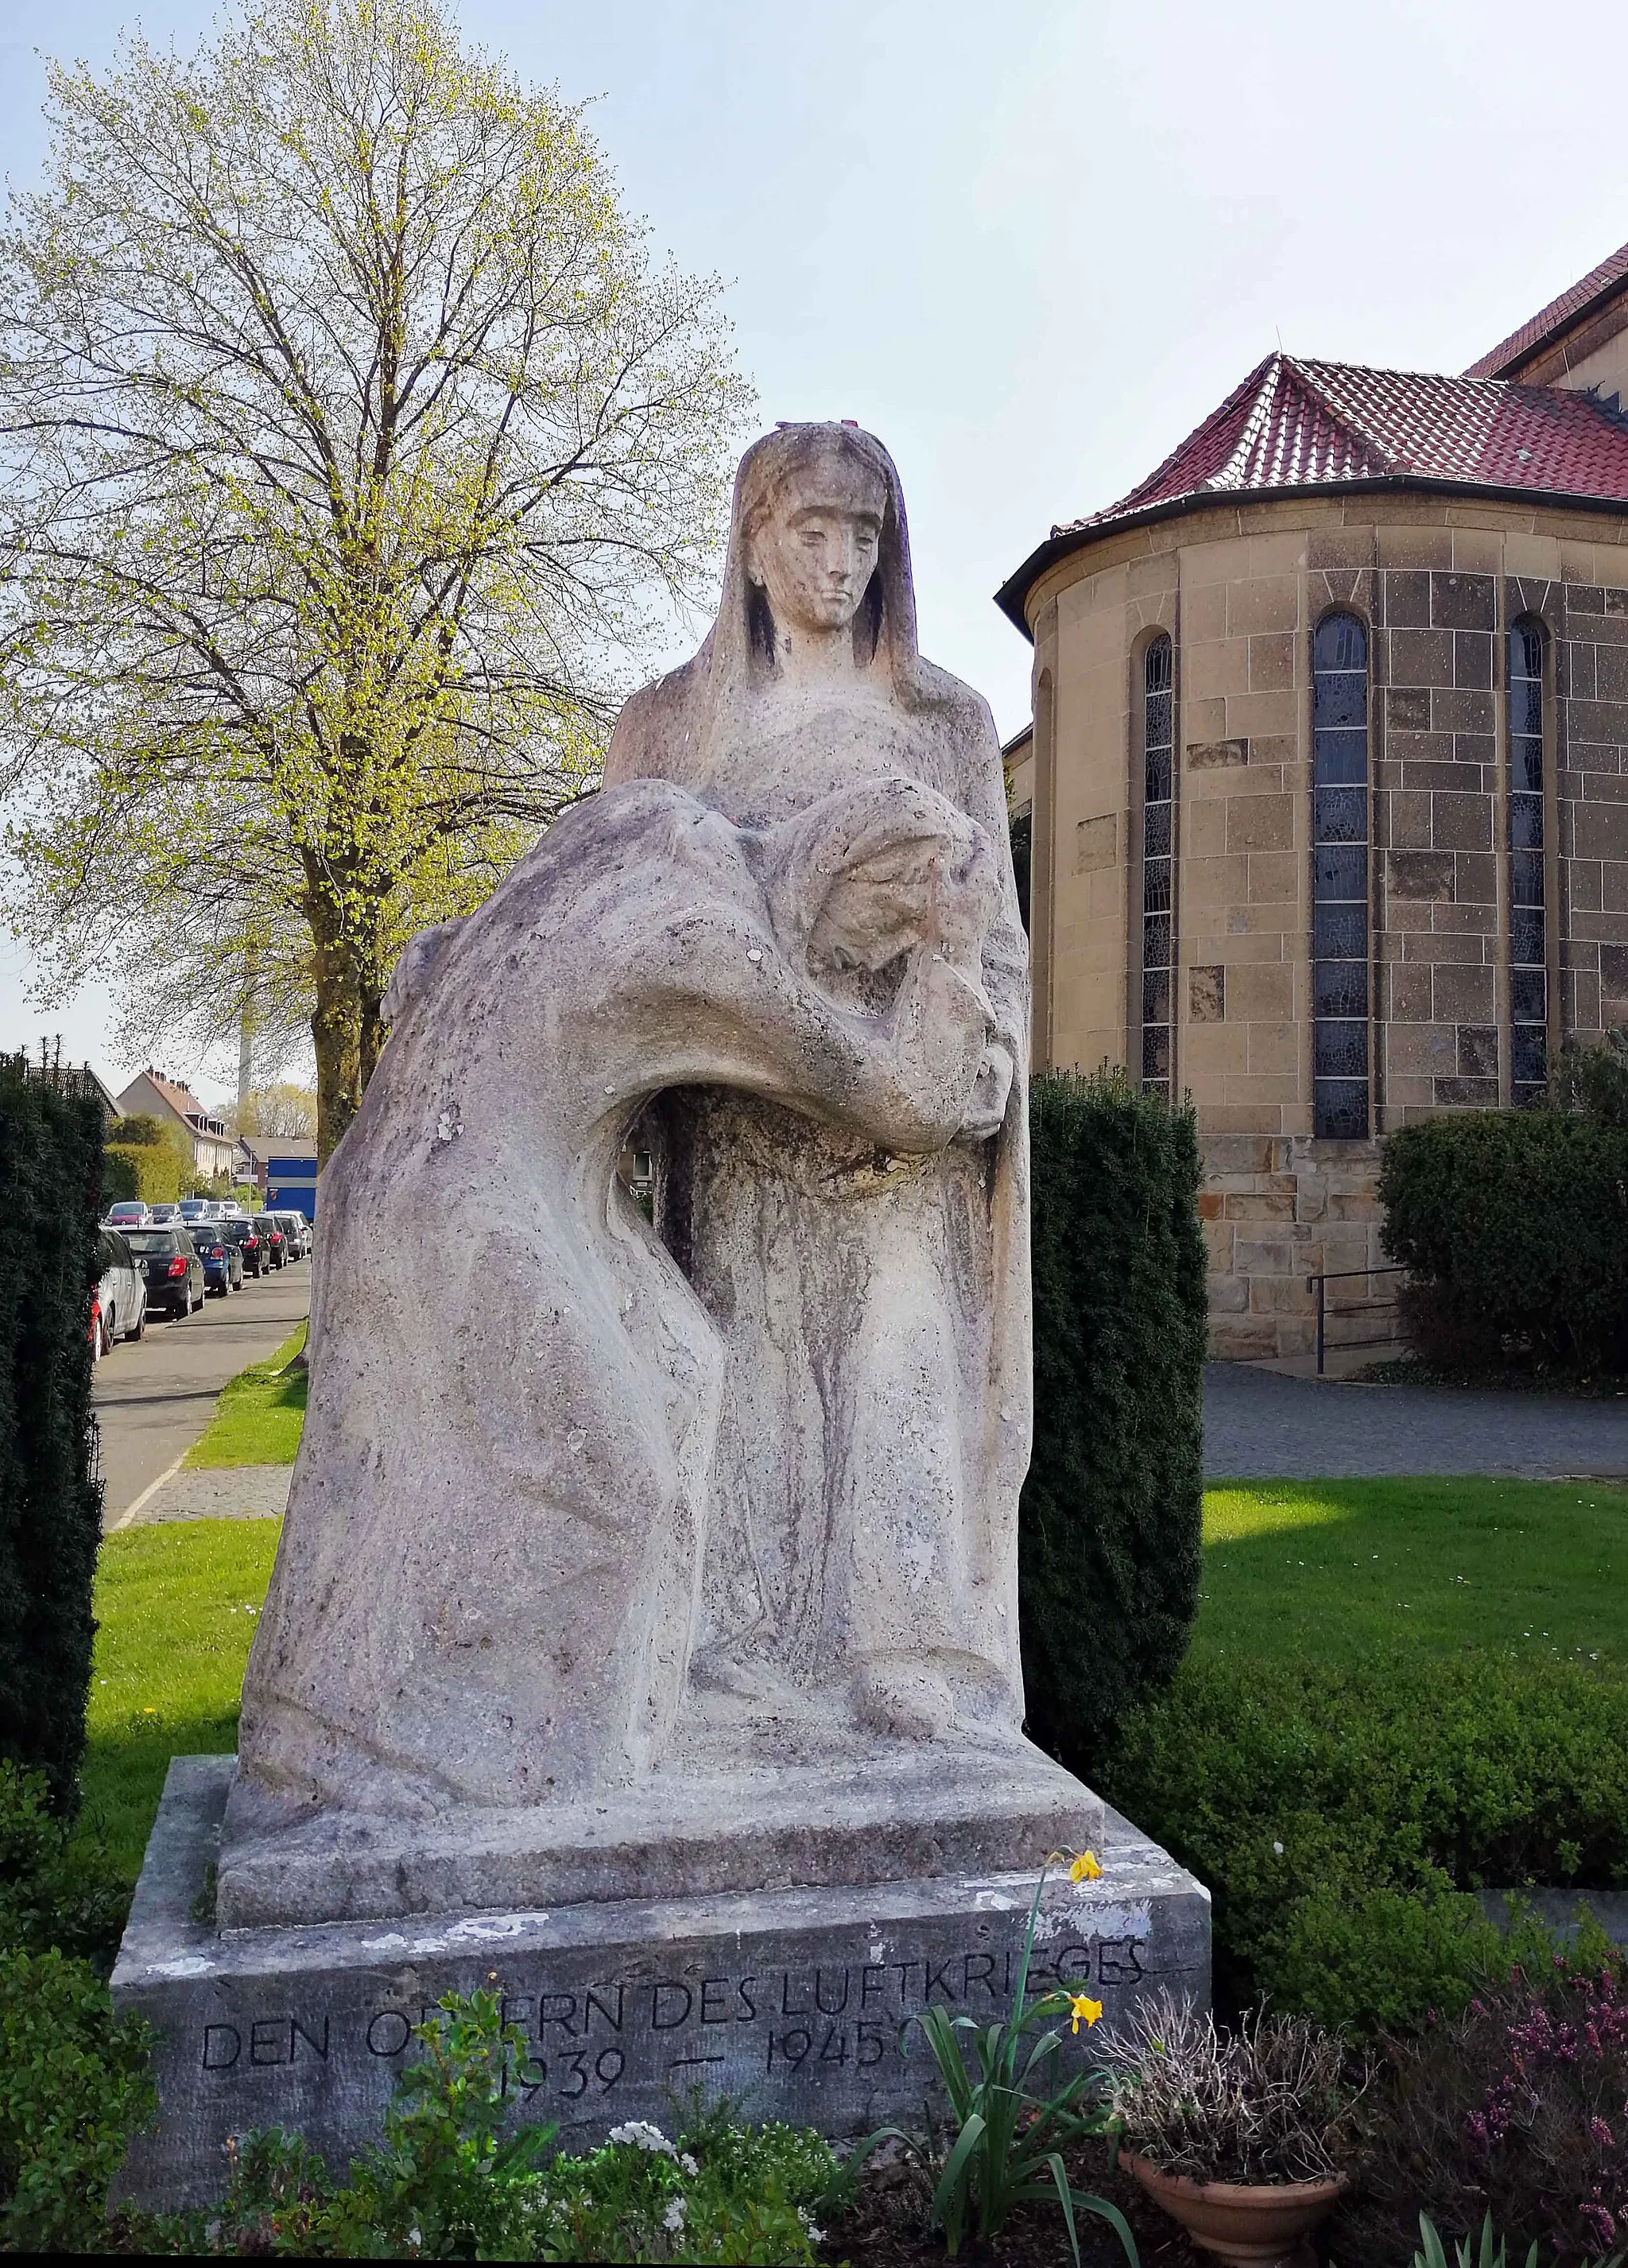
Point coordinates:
[(1265, 2226)]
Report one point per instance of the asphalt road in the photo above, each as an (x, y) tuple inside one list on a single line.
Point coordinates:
[(1260, 1424), (153, 1400)]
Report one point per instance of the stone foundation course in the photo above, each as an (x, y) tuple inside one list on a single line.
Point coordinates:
[(797, 2004)]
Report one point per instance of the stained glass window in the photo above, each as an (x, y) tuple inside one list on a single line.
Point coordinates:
[(1529, 979), (1158, 869), (1340, 877)]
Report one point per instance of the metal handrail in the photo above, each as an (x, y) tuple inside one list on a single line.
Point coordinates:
[(1335, 1276)]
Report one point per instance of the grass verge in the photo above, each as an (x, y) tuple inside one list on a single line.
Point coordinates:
[(176, 1606), (260, 1415)]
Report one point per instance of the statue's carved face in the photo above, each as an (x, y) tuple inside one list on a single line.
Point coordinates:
[(813, 550)]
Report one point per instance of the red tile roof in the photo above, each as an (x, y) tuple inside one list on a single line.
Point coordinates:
[(1299, 424), (1601, 282), (1295, 425)]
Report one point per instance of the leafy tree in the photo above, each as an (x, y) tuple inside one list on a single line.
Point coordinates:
[(283, 1113), (350, 446)]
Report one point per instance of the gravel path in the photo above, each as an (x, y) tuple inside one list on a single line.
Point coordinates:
[(1260, 1424)]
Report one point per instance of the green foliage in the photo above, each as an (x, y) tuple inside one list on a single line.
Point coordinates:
[(54, 1892), (1342, 1814), (141, 1131), (50, 1501), (153, 1174), (1108, 1557), (416, 646), (1009, 2140), (259, 1416), (1593, 1078), (1514, 1226), (1434, 2256), (119, 1180), (445, 2185), (178, 1606), (73, 2088)]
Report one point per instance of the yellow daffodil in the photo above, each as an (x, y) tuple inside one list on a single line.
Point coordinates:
[(1083, 2010), (1085, 1868)]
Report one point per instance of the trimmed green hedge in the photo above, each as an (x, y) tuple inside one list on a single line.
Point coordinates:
[(1514, 1226), (1112, 1512), (50, 1498), (1342, 1816)]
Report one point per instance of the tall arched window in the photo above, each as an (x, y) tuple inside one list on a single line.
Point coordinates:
[(1340, 877), (1158, 870), (1529, 980)]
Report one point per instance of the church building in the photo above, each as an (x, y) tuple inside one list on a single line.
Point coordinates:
[(1327, 788)]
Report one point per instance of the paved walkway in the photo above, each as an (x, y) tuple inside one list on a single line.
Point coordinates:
[(153, 1401), (1260, 1424), (221, 1492)]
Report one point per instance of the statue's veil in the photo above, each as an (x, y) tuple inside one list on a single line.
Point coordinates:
[(678, 728)]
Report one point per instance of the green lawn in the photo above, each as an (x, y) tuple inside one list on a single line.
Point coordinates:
[(1333, 1569), (259, 1416), (177, 1605), (1339, 1570)]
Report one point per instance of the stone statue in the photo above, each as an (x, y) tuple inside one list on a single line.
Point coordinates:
[(611, 1538)]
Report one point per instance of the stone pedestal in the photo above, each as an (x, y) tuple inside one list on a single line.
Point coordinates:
[(796, 2002)]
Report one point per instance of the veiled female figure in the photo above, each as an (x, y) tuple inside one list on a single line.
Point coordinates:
[(861, 1559)]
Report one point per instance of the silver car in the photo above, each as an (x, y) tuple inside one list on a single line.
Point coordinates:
[(297, 1228), (120, 1309)]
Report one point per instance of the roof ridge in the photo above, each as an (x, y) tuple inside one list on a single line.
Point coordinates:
[(1372, 446), (1565, 309)]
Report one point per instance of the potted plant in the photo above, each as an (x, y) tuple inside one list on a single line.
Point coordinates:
[(1236, 2134)]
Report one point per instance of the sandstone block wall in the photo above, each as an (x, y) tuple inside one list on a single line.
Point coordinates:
[(1241, 590)]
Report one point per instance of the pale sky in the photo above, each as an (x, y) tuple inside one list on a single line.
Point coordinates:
[(1031, 247)]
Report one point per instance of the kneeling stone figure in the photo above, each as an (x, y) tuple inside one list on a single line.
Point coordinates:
[(625, 1556)]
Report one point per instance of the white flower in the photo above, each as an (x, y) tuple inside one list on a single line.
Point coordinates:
[(414, 2237), (814, 2235), (639, 2134), (1278, 1850), (688, 2162), (672, 2219)]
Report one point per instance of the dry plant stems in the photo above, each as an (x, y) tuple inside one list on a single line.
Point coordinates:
[(1009, 2139), (353, 455), (1270, 2103)]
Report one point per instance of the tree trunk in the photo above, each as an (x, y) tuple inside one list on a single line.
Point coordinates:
[(335, 1026), (372, 1033)]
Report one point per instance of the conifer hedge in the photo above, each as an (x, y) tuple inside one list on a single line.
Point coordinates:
[(50, 1497), (1513, 1226), (1111, 1525)]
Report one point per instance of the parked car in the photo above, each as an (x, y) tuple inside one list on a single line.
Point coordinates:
[(193, 1208), (222, 1262), (163, 1216), (129, 1213), (169, 1262), (297, 1228), (277, 1240), (119, 1304), (256, 1252)]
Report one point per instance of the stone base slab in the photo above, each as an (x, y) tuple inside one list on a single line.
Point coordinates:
[(796, 2003), (898, 1816)]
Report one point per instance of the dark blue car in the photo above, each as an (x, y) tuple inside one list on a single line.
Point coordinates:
[(223, 1261)]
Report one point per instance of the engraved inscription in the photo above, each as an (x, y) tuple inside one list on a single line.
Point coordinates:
[(815, 2021)]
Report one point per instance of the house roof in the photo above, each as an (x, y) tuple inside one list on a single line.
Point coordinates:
[(1573, 305), (184, 1102), (1296, 426)]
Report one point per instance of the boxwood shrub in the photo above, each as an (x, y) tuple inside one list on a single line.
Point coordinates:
[(1343, 1817), (1514, 1226), (1112, 1512)]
